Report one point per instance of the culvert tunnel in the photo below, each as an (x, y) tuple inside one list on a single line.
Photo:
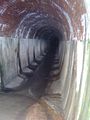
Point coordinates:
[(38, 51)]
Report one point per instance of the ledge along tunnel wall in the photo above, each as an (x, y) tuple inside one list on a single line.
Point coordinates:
[(38, 49)]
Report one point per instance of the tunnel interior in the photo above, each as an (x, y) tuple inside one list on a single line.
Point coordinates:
[(44, 72), (43, 59), (38, 50)]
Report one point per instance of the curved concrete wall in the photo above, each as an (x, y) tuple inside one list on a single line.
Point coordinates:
[(27, 29)]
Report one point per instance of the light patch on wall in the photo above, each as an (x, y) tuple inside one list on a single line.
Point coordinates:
[(87, 3)]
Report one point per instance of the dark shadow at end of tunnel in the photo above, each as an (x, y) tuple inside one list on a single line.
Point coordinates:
[(42, 76)]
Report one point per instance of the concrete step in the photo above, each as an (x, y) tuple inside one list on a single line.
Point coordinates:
[(33, 65), (54, 72), (16, 82), (39, 58), (27, 72)]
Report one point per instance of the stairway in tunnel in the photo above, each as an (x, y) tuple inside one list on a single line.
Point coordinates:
[(37, 82), (38, 51), (37, 75)]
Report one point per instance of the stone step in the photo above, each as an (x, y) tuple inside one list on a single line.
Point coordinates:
[(55, 72), (33, 65), (27, 72), (55, 66), (39, 59), (16, 82)]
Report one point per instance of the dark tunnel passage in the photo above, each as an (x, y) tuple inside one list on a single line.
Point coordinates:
[(43, 63), (42, 74), (40, 58), (38, 50)]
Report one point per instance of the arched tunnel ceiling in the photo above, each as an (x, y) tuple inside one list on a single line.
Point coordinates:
[(69, 13)]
